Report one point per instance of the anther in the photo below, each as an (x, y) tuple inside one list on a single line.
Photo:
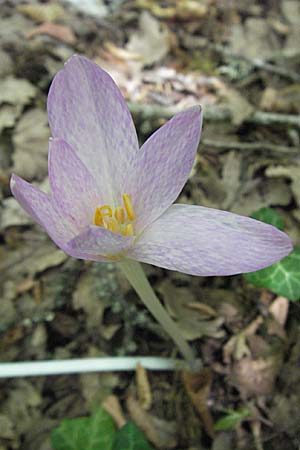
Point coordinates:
[(98, 218), (105, 210), (129, 230), (128, 206), (120, 215)]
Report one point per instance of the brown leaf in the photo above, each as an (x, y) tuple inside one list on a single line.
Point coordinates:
[(143, 387), (198, 386), (256, 376), (59, 32), (112, 405), (161, 437)]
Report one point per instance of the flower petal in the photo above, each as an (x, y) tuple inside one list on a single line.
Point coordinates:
[(74, 189), (87, 110), (204, 241), (98, 242), (161, 167), (39, 206)]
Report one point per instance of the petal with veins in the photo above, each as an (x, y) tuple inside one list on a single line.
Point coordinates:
[(74, 190), (39, 205), (204, 241), (161, 167), (97, 241), (87, 110)]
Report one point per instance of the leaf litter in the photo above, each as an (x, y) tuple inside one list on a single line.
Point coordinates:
[(55, 307)]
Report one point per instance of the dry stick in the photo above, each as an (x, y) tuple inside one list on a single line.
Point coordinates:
[(251, 147), (215, 113)]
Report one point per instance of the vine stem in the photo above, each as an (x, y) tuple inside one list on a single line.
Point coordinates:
[(138, 280)]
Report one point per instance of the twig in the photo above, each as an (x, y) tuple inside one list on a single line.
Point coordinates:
[(151, 112), (272, 119), (251, 147), (86, 365), (215, 113)]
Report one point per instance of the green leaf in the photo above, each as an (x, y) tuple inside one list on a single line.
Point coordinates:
[(268, 215), (232, 420), (283, 278), (130, 437), (85, 433)]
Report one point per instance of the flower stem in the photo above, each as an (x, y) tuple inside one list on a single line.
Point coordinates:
[(137, 278), (86, 365)]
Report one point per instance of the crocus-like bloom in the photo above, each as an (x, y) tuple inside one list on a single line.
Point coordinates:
[(111, 200)]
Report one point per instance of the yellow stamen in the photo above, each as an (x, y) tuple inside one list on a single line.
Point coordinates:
[(120, 215), (111, 225), (128, 206), (98, 218), (105, 210), (129, 230)]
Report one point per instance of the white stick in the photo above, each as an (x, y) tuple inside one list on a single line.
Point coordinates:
[(85, 365)]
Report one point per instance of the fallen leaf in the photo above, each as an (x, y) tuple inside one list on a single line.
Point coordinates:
[(48, 12), (95, 8), (59, 32), (238, 105), (254, 38), (193, 322), (86, 298), (163, 437), (151, 41), (9, 115), (30, 141), (256, 376), (112, 405), (16, 91), (198, 387), (279, 309), (143, 387), (290, 172)]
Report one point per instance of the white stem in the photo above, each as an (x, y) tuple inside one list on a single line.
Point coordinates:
[(137, 278), (85, 365)]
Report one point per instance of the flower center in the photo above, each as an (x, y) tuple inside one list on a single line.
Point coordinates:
[(118, 220)]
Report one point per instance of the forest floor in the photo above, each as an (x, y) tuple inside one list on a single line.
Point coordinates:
[(240, 60)]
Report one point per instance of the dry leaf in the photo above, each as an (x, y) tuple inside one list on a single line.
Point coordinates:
[(49, 12), (112, 405), (280, 308), (60, 32), (31, 145), (143, 387), (151, 42), (198, 387), (256, 376), (161, 436), (290, 172), (16, 91), (86, 298)]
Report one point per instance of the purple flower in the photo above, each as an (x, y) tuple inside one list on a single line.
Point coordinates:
[(109, 200)]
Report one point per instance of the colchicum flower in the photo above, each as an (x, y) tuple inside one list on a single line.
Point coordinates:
[(111, 200)]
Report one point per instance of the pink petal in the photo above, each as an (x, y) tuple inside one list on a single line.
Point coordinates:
[(204, 241), (97, 242), (39, 206), (162, 166), (74, 190), (87, 110)]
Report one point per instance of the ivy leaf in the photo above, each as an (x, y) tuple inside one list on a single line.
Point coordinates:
[(232, 420), (268, 215), (96, 432), (130, 437), (283, 277)]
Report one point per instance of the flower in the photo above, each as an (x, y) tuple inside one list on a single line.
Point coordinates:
[(111, 200)]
